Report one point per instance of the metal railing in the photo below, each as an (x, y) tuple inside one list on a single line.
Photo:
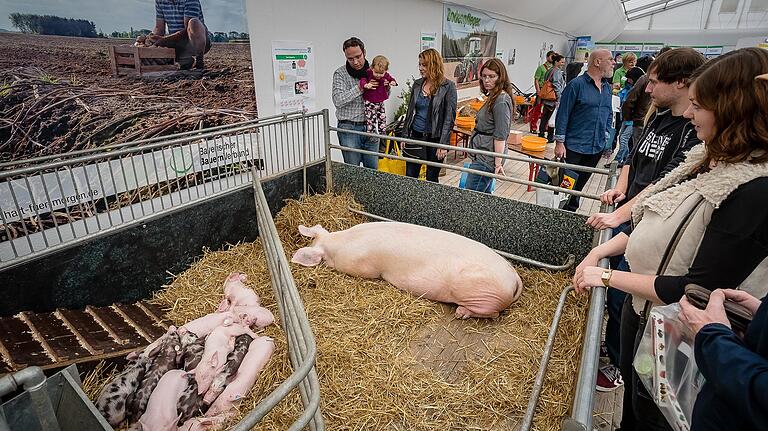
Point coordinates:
[(56, 201), (542, 162), (302, 349)]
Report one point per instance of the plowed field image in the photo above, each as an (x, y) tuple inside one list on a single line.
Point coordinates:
[(58, 94)]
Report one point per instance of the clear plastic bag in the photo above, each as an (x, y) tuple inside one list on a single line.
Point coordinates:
[(666, 365)]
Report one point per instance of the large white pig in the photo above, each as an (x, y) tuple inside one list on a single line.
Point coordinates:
[(435, 264)]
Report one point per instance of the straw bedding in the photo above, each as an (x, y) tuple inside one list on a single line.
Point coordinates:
[(388, 360)]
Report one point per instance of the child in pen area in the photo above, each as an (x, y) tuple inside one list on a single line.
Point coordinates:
[(375, 88)]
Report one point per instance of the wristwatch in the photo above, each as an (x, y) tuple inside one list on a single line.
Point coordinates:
[(606, 277)]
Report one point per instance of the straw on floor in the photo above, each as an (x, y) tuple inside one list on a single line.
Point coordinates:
[(388, 360)]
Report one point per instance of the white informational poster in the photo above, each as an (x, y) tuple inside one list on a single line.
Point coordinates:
[(293, 65), (428, 40)]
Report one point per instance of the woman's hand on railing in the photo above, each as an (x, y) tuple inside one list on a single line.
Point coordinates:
[(499, 170), (441, 153)]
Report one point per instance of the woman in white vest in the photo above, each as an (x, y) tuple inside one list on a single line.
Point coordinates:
[(704, 223)]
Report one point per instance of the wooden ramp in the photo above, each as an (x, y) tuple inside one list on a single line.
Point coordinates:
[(64, 337)]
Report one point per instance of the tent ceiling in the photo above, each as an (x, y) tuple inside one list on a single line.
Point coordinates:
[(601, 19), (636, 9)]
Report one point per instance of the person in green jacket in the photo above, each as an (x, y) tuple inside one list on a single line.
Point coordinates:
[(628, 61)]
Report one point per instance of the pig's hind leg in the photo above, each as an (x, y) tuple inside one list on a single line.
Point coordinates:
[(463, 312)]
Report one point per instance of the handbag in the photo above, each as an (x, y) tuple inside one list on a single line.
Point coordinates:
[(392, 166), (738, 315), (547, 91), (663, 362)]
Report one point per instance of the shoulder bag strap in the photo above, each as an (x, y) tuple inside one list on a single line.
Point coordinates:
[(665, 262)]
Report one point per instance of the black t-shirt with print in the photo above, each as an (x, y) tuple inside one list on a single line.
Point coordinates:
[(661, 148)]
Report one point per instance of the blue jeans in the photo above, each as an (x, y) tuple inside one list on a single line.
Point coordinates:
[(624, 135), (359, 142), (614, 304), (479, 183)]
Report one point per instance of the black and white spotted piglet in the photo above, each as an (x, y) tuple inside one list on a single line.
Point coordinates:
[(116, 395), (165, 359)]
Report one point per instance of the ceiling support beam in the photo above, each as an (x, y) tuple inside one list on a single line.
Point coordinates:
[(671, 5)]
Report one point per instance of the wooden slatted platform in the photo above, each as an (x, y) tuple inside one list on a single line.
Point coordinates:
[(52, 340)]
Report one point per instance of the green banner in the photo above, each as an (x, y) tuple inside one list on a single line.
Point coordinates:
[(291, 57)]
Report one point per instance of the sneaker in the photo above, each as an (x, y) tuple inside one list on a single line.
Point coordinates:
[(608, 378)]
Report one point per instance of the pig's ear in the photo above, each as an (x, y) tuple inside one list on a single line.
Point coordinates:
[(313, 231), (307, 256), (214, 361)]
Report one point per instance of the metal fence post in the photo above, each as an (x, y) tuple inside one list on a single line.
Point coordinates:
[(328, 166)]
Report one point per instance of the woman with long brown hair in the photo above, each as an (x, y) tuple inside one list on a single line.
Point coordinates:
[(704, 223), (491, 125), (431, 114)]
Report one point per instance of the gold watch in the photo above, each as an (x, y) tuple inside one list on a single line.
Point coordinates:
[(606, 277)]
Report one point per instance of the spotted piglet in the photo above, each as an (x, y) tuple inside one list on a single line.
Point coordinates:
[(234, 359), (192, 348), (163, 412), (119, 392), (166, 360)]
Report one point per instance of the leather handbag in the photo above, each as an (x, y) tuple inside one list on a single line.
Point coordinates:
[(738, 315)]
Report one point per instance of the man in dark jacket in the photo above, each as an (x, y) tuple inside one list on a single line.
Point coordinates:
[(735, 367)]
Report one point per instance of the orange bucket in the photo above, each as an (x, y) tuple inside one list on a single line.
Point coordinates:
[(476, 104), (465, 122), (534, 143), (519, 100)]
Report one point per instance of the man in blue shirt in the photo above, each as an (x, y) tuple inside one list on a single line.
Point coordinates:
[(583, 118), (186, 28)]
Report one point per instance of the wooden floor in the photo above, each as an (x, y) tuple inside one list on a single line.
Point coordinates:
[(520, 170)]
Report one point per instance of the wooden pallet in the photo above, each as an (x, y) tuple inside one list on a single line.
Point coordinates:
[(139, 60), (52, 340)]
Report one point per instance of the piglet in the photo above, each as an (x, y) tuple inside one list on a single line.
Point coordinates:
[(119, 392), (255, 360), (192, 348), (162, 412), (204, 325), (204, 423), (251, 315), (217, 346), (166, 359), (234, 359), (237, 293)]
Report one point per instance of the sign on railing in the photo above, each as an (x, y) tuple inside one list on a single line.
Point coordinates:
[(69, 186)]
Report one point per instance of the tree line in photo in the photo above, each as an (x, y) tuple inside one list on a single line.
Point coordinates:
[(58, 26)]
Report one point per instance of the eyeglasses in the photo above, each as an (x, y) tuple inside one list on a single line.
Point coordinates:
[(489, 76)]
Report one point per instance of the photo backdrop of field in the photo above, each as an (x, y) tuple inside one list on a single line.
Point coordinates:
[(469, 40), (77, 101)]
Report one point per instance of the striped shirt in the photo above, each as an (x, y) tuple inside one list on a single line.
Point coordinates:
[(173, 12), (347, 96)]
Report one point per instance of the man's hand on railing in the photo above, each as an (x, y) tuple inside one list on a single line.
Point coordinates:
[(441, 153), (603, 220), (612, 196)]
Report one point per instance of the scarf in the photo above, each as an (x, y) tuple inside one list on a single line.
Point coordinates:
[(715, 185), (357, 74)]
